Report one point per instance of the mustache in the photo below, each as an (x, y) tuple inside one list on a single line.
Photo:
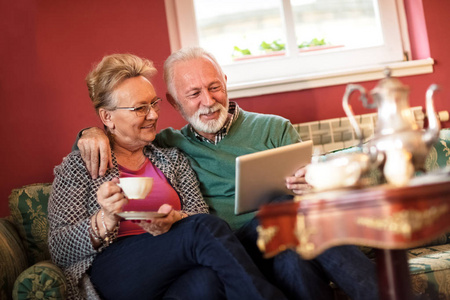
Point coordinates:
[(208, 110)]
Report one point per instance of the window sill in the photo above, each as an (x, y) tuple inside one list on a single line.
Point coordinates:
[(407, 68)]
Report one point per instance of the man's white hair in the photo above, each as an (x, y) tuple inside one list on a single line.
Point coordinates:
[(183, 55)]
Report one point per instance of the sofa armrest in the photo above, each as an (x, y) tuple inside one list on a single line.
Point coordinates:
[(43, 280), (13, 259)]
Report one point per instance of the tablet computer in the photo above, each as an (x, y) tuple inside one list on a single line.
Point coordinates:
[(263, 173)]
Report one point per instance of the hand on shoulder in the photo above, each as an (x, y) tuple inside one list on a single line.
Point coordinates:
[(95, 150)]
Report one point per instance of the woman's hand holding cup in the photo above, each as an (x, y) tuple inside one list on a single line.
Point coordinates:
[(111, 200)]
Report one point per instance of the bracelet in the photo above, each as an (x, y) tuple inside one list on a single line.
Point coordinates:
[(103, 223), (93, 229), (106, 240), (93, 235), (109, 235), (182, 215)]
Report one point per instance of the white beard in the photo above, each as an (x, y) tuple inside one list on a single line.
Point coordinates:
[(211, 126)]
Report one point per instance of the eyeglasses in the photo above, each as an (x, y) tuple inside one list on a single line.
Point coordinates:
[(143, 110)]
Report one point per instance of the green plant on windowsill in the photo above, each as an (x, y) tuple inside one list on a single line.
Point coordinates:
[(241, 51), (264, 46), (277, 45), (313, 43), (274, 46)]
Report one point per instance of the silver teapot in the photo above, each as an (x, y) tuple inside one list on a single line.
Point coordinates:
[(399, 145)]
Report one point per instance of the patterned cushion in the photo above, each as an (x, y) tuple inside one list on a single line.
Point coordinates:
[(430, 271), (12, 258), (28, 206), (44, 280), (438, 158), (439, 155)]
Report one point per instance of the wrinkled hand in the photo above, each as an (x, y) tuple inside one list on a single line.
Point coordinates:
[(297, 183), (157, 226), (95, 151), (111, 200)]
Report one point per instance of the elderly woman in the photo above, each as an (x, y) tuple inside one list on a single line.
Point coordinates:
[(104, 256)]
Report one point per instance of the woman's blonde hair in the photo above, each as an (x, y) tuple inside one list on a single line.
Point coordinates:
[(111, 71)]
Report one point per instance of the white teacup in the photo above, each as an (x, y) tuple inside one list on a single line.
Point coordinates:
[(136, 187), (338, 172)]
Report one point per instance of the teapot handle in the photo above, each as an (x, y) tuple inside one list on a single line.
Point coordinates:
[(348, 109), (432, 133)]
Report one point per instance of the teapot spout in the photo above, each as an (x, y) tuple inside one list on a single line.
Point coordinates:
[(432, 133)]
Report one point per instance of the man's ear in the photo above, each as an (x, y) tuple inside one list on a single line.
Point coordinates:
[(105, 116), (172, 102)]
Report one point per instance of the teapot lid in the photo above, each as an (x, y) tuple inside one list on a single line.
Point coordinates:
[(389, 84)]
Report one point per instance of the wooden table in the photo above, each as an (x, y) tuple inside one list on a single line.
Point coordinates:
[(387, 218)]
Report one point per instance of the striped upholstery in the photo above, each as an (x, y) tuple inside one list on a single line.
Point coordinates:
[(430, 271), (12, 258)]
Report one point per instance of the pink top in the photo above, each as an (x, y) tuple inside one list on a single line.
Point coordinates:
[(161, 193)]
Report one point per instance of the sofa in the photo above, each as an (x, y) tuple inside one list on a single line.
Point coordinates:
[(26, 271)]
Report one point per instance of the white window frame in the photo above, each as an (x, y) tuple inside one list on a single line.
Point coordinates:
[(183, 32)]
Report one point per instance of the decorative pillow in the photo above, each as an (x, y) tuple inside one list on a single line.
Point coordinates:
[(44, 280), (439, 155), (429, 268), (28, 206), (438, 158), (12, 258)]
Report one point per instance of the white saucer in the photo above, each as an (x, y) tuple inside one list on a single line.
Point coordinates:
[(140, 215)]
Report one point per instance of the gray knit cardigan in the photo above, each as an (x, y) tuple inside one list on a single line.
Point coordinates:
[(73, 201)]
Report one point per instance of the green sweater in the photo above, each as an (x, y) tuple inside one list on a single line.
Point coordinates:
[(215, 164)]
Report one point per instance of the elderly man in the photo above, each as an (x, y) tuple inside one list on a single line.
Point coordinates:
[(218, 132)]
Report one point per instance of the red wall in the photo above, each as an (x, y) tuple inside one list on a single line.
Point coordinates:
[(47, 48)]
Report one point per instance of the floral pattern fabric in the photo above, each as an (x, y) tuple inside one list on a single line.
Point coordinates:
[(28, 206)]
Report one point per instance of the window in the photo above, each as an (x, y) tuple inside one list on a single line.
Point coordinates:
[(277, 45)]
